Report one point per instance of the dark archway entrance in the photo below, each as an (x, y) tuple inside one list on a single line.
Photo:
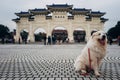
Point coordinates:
[(24, 36), (40, 35), (60, 34), (79, 35)]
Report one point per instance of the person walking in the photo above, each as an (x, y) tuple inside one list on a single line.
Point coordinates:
[(19, 41), (110, 40), (119, 40), (49, 40), (45, 40)]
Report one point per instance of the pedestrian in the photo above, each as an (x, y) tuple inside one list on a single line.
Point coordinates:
[(3, 40), (59, 39), (119, 40), (25, 40), (45, 40), (49, 40), (19, 41), (67, 40), (13, 41), (53, 39), (110, 40)]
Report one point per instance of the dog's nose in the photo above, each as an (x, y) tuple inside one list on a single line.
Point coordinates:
[(103, 37)]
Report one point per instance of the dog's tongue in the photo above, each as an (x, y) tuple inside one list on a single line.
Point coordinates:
[(102, 42)]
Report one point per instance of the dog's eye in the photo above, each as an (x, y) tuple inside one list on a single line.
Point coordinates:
[(99, 34)]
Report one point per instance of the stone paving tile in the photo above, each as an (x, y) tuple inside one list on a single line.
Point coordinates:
[(79, 78), (55, 62), (37, 78), (23, 78), (58, 78), (44, 78), (51, 78), (2, 78)]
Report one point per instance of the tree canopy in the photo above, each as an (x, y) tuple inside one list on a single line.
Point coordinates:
[(4, 31), (114, 32)]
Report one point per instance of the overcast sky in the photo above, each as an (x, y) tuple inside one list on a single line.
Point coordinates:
[(9, 7)]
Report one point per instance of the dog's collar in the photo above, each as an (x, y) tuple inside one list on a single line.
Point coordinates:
[(89, 58)]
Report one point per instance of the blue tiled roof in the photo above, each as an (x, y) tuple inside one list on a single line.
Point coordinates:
[(81, 9), (103, 19), (22, 13), (60, 5), (38, 9), (97, 12), (16, 20)]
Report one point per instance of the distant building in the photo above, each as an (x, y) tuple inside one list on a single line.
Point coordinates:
[(60, 20)]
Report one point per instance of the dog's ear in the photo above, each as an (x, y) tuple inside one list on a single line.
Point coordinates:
[(93, 32)]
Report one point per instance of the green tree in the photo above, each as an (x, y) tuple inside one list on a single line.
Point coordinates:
[(4, 31), (114, 32)]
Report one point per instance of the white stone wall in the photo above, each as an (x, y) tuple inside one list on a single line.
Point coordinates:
[(59, 19)]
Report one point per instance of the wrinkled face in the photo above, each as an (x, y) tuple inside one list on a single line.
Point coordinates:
[(100, 36)]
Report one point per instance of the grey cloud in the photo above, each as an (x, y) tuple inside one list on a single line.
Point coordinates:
[(9, 7)]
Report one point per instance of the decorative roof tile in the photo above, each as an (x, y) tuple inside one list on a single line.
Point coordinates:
[(59, 6), (97, 13), (81, 9), (103, 19), (23, 14), (16, 20), (39, 11)]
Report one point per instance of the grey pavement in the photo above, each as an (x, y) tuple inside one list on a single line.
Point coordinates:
[(52, 62)]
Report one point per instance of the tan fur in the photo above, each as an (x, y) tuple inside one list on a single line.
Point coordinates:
[(97, 53)]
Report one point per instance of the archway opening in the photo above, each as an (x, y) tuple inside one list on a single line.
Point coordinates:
[(40, 35), (79, 35), (60, 34), (24, 35)]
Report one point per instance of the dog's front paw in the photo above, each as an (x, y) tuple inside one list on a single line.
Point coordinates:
[(97, 74), (83, 72)]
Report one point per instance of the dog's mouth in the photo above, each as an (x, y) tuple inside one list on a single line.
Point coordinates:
[(101, 41)]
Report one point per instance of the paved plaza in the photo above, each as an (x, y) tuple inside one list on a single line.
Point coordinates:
[(52, 62)]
